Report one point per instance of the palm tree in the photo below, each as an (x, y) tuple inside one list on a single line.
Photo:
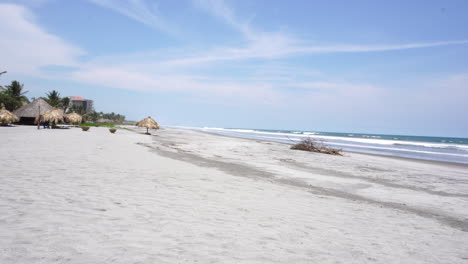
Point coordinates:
[(53, 98), (77, 109), (13, 96), (91, 116), (65, 103)]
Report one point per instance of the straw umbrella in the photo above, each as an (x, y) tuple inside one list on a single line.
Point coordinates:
[(53, 116), (74, 118), (148, 123), (7, 117)]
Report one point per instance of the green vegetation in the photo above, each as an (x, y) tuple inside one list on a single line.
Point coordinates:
[(95, 116), (118, 118), (97, 124), (53, 98), (85, 128), (13, 96)]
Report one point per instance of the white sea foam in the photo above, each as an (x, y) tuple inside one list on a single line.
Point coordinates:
[(372, 147), (399, 149), (388, 142), (254, 132), (371, 140), (311, 133)]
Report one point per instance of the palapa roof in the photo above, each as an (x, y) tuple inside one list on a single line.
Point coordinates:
[(53, 116), (73, 118), (77, 98), (148, 122), (7, 117), (32, 109)]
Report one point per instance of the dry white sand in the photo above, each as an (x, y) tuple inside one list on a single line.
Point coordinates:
[(68, 196)]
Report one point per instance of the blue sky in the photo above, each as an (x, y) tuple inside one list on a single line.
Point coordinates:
[(395, 67)]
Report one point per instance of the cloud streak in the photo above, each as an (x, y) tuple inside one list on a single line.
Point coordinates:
[(139, 11), (171, 71), (374, 48), (272, 45), (221, 10)]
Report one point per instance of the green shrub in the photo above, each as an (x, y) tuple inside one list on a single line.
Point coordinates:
[(98, 124), (112, 130), (85, 128)]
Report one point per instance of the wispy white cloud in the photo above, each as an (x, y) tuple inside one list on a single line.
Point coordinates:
[(26, 47), (197, 86), (221, 10), (262, 44), (33, 3), (258, 44), (171, 71), (280, 48), (374, 48), (141, 11)]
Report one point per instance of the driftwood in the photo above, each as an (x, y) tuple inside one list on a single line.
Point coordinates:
[(309, 144)]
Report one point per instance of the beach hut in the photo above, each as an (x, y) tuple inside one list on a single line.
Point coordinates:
[(28, 113), (148, 123), (6, 117), (74, 118), (53, 116)]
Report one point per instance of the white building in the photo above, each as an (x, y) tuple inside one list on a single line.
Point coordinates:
[(80, 101)]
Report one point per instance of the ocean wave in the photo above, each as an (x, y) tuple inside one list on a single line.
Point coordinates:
[(434, 145), (367, 136), (244, 131), (397, 149), (378, 148), (390, 142), (368, 141), (311, 133)]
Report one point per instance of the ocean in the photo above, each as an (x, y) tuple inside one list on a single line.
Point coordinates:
[(445, 149)]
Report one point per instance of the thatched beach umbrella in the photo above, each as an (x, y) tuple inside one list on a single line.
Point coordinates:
[(53, 116), (148, 123), (73, 118), (6, 117)]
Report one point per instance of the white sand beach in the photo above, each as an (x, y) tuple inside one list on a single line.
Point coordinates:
[(181, 196)]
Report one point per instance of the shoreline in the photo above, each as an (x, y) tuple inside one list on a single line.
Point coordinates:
[(253, 173), (218, 160), (425, 161)]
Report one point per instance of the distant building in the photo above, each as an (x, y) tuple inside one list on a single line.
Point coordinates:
[(80, 101)]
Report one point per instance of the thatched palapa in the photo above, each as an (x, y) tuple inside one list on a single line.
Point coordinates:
[(54, 116), (74, 118), (28, 113), (6, 117), (148, 123)]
